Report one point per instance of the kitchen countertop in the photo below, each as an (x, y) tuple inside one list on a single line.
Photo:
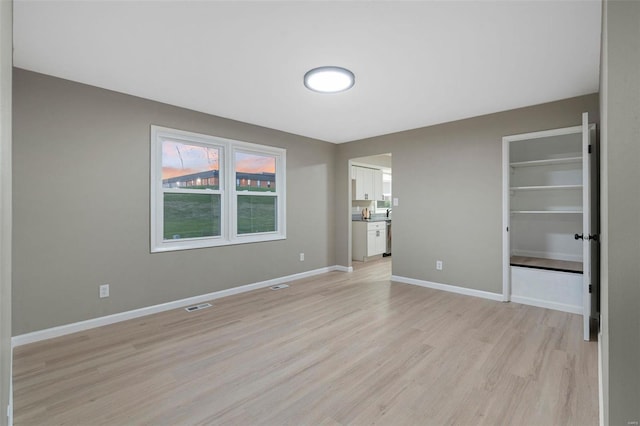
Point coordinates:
[(381, 219)]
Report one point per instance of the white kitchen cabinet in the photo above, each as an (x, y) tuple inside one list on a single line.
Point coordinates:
[(377, 185), (363, 181), (367, 183), (369, 239)]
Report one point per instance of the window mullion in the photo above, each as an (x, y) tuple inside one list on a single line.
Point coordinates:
[(231, 194)]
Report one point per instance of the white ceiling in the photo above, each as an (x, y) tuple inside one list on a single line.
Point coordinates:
[(416, 63)]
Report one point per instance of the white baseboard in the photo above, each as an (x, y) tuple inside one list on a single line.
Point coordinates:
[(450, 288), (10, 407), (62, 330), (600, 380), (546, 304)]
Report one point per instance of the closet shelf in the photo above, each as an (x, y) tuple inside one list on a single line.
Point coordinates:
[(544, 187), (548, 264), (548, 162), (546, 211)]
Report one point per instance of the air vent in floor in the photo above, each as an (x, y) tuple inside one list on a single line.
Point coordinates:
[(279, 287), (197, 307)]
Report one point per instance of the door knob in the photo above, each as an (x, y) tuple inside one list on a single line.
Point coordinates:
[(593, 237)]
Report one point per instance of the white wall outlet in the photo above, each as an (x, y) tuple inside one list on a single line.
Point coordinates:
[(301, 257), (439, 265), (104, 290), (395, 202)]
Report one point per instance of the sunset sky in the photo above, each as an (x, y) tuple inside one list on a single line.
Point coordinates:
[(179, 159), (249, 163)]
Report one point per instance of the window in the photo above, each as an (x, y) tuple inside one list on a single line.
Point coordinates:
[(192, 203), (256, 202)]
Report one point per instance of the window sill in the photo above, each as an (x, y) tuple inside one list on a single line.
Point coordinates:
[(214, 242)]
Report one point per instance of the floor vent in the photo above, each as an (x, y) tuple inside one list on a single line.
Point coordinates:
[(279, 287), (197, 307)]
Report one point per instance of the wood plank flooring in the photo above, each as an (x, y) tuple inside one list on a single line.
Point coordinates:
[(333, 349)]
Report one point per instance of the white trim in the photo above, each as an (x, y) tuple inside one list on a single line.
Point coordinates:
[(450, 288), (75, 327), (543, 134), (506, 223), (343, 268), (546, 304), (586, 225), (506, 207), (10, 406), (227, 148), (600, 385)]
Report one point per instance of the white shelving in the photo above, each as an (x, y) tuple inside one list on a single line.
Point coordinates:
[(544, 187), (546, 211), (545, 179), (547, 162), (545, 198)]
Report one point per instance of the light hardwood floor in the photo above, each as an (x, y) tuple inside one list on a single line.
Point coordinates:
[(334, 349)]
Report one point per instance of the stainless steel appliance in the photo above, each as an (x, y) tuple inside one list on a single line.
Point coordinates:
[(388, 250)]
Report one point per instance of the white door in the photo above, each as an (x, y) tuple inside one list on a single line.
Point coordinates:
[(587, 231)]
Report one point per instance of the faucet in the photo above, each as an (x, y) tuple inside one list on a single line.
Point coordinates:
[(388, 211)]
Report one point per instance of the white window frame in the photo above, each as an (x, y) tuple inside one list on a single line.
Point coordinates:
[(227, 190)]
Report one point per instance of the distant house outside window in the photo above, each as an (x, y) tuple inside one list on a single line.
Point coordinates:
[(192, 206), (257, 209)]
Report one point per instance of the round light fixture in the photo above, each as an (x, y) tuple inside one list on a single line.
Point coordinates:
[(329, 79)]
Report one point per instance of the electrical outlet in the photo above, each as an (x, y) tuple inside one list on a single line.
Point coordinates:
[(395, 202), (301, 257), (439, 265), (104, 290)]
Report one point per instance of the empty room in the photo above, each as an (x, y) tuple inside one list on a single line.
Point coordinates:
[(310, 212)]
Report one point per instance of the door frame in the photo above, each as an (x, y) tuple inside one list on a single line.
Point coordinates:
[(357, 161), (506, 206)]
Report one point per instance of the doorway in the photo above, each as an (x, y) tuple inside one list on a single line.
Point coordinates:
[(371, 213), (550, 205)]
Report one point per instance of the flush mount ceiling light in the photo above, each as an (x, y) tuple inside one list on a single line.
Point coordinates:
[(329, 79)]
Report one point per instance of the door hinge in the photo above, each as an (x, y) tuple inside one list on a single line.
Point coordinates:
[(589, 148), (590, 288), (507, 229)]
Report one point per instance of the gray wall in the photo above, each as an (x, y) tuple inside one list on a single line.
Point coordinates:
[(6, 59), (620, 98), (81, 206), (448, 179)]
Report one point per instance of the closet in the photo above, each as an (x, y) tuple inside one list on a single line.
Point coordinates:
[(550, 223)]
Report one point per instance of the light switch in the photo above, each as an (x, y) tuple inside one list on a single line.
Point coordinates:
[(395, 202)]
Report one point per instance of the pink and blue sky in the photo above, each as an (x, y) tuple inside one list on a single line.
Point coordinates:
[(179, 159)]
